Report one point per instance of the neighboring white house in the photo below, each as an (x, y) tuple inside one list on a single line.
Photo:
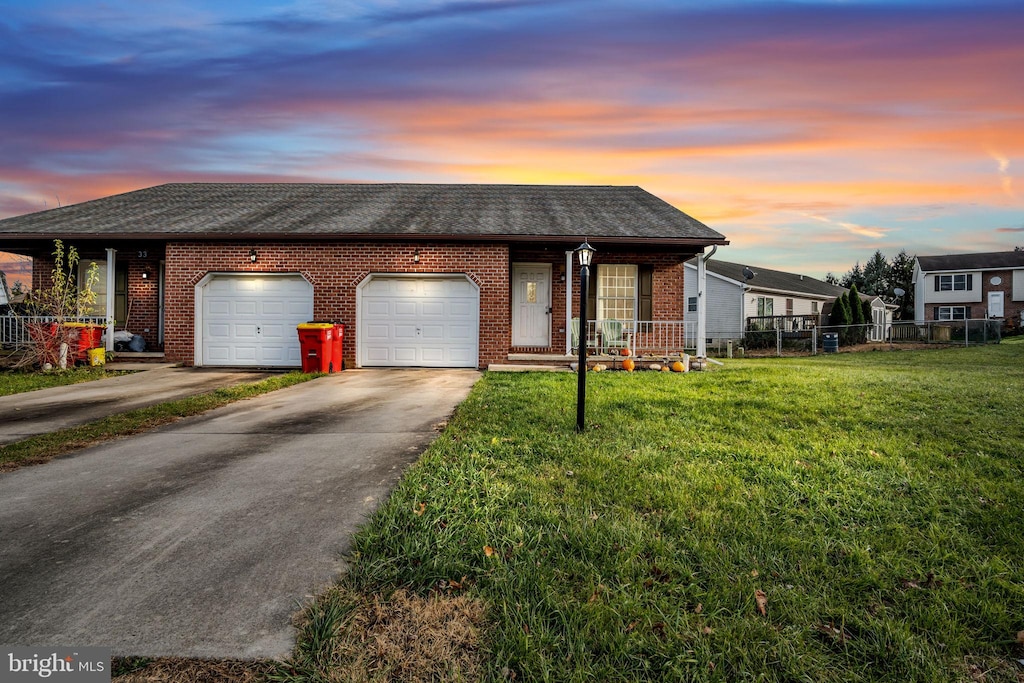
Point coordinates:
[(733, 298), (5, 297), (969, 286)]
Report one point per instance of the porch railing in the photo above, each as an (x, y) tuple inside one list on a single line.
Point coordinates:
[(641, 337), (786, 323), (15, 330)]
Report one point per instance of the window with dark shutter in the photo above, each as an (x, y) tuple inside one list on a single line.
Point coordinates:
[(646, 286), (592, 295)]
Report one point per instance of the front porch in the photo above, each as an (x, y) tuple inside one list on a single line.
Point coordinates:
[(635, 300), (647, 341)]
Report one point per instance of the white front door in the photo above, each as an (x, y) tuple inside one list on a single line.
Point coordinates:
[(531, 304), (995, 304)]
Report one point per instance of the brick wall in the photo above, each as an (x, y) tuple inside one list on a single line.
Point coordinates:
[(334, 270)]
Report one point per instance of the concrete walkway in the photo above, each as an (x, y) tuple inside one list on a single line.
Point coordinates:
[(201, 538), (47, 410)]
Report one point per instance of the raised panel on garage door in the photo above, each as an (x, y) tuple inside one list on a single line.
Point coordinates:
[(250, 320), (419, 322)]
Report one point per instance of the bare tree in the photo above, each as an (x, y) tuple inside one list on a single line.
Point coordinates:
[(62, 301)]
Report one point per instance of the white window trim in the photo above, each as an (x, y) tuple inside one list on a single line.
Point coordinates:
[(953, 279), (636, 290), (946, 313)]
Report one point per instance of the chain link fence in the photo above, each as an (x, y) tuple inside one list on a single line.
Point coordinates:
[(782, 341)]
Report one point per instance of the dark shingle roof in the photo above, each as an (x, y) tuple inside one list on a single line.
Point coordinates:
[(987, 261), (776, 280), (215, 210)]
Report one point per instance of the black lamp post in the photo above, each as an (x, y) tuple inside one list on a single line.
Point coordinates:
[(585, 253)]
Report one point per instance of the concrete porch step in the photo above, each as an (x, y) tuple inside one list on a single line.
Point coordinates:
[(541, 357), (525, 367), (144, 356)]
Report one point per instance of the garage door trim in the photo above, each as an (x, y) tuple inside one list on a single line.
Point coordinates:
[(200, 288), (360, 348)]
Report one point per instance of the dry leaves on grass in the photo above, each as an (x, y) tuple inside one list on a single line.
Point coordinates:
[(179, 670), (929, 582), (762, 602), (408, 639)]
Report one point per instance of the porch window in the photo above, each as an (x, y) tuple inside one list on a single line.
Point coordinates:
[(99, 288), (691, 304), (616, 292), (765, 305)]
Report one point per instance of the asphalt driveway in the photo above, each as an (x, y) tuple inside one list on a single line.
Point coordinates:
[(202, 538), (47, 410)]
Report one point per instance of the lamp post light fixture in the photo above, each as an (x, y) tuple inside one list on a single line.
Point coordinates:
[(585, 254)]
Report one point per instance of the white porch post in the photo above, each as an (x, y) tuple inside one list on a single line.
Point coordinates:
[(110, 298), (702, 322), (568, 304)]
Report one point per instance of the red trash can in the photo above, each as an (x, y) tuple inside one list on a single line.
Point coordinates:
[(79, 339), (337, 354), (316, 343)]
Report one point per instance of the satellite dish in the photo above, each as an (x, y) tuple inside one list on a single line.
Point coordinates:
[(748, 274), (899, 291)]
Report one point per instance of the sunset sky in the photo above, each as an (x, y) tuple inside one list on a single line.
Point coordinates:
[(810, 133)]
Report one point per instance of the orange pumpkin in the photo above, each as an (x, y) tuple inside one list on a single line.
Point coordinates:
[(628, 365), (677, 366), (626, 352)]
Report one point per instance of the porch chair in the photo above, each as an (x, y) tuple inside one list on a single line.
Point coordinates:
[(613, 337)]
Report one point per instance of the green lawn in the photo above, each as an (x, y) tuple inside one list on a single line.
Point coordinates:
[(873, 499), (17, 382)]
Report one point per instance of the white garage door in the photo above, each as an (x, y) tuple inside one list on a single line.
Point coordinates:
[(418, 322), (251, 319)]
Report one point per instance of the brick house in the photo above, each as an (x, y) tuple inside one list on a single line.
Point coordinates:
[(970, 286), (421, 275)]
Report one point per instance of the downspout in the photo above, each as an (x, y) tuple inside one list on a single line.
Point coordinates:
[(702, 321)]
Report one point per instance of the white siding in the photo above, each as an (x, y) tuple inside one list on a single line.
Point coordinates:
[(723, 308), (803, 306), (973, 295)]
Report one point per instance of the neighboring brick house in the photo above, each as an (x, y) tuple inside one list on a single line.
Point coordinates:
[(421, 275), (970, 286)]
